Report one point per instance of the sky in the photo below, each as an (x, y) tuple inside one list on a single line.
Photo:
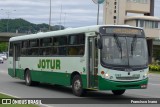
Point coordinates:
[(70, 13)]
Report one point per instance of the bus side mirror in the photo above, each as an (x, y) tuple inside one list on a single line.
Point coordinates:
[(100, 44)]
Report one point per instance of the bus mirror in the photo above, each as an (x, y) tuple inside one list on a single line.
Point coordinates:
[(100, 43)]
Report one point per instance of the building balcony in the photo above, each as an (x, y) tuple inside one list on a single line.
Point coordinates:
[(152, 33), (150, 24), (134, 7)]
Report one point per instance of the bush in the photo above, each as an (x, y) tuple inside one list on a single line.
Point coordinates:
[(154, 67)]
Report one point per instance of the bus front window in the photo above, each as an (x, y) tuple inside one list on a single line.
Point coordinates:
[(121, 50)]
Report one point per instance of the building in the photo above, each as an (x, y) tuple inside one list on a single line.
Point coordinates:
[(139, 13)]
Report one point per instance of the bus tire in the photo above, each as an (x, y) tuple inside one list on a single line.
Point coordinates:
[(77, 86), (28, 79), (118, 92)]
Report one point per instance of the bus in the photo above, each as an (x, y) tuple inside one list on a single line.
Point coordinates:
[(98, 57)]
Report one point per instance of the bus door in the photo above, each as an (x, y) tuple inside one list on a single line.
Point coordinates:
[(92, 76), (16, 55)]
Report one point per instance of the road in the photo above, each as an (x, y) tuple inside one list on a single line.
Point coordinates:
[(16, 87)]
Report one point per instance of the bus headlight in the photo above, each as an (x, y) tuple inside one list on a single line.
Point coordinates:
[(107, 75), (146, 74)]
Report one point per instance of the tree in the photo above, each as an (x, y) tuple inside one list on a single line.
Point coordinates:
[(3, 46)]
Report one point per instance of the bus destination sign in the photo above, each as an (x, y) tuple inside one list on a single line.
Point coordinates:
[(116, 30)]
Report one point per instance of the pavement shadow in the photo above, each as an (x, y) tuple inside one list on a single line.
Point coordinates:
[(68, 90)]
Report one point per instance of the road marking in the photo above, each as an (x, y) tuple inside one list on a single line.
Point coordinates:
[(145, 96), (154, 75), (3, 72), (154, 84), (19, 97)]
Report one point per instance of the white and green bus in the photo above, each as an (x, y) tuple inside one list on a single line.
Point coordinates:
[(97, 57)]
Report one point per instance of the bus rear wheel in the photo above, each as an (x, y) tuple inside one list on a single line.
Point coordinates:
[(77, 86), (28, 79), (118, 92)]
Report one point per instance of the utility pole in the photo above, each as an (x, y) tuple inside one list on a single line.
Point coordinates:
[(98, 15), (50, 16), (8, 13), (60, 17)]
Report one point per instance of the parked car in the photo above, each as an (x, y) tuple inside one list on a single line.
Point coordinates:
[(3, 56), (1, 60)]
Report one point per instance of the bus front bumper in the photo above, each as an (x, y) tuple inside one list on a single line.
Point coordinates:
[(105, 84)]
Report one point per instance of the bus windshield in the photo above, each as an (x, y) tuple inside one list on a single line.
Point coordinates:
[(124, 50)]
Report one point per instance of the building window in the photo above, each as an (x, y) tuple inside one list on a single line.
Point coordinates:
[(141, 23), (148, 24), (138, 1)]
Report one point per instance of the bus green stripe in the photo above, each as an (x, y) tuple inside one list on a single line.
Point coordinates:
[(48, 77), (64, 79)]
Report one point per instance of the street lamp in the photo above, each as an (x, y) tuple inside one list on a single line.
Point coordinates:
[(98, 2)]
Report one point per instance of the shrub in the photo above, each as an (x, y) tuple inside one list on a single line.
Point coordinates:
[(154, 67)]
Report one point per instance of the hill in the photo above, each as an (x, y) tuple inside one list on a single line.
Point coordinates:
[(23, 26)]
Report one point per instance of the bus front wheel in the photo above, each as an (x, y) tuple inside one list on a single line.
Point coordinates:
[(77, 86), (118, 92)]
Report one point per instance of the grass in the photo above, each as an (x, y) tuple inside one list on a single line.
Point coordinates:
[(14, 105), (154, 72)]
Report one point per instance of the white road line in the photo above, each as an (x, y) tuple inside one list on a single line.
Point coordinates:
[(154, 84), (154, 75), (2, 71), (19, 97)]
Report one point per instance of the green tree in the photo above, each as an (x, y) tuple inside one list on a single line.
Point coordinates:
[(3, 46)]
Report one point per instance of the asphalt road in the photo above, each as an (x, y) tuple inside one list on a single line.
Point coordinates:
[(16, 87)]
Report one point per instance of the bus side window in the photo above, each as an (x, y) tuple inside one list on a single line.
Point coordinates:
[(81, 50), (11, 49), (46, 42), (76, 44), (24, 49), (73, 51)]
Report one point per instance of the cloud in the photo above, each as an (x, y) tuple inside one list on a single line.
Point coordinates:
[(80, 12), (73, 13)]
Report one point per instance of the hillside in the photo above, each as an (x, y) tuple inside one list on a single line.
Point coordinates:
[(23, 26)]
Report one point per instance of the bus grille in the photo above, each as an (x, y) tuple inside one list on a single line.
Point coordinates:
[(127, 78)]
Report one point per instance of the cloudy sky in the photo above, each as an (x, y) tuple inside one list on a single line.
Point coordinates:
[(74, 13)]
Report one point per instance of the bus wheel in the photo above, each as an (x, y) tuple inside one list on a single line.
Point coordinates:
[(118, 92), (28, 80), (77, 86)]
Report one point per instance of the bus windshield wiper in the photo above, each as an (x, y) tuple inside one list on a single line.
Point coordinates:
[(133, 44), (118, 43)]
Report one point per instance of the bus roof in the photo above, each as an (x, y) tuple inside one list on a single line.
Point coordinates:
[(94, 28)]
